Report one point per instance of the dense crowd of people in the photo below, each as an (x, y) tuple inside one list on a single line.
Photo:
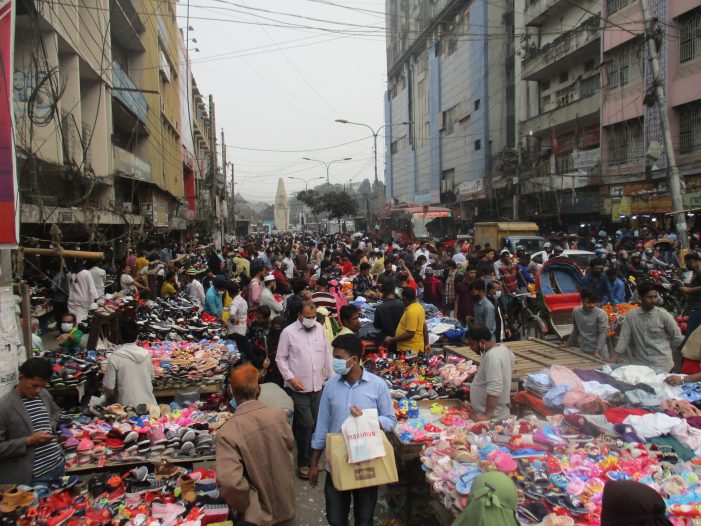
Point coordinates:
[(290, 304)]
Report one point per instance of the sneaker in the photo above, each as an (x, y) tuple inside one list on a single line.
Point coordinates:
[(138, 487)]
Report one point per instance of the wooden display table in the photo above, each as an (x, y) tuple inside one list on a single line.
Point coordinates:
[(125, 466), (533, 355), (204, 389)]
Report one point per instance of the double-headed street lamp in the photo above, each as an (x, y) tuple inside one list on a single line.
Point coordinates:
[(327, 164), (305, 181), (375, 133)]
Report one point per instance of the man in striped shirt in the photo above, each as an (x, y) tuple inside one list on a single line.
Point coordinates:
[(29, 450)]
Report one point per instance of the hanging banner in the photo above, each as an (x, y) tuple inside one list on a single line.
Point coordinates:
[(9, 206)]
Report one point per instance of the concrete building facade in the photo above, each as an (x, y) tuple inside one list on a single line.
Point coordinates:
[(99, 89), (450, 102), (633, 156)]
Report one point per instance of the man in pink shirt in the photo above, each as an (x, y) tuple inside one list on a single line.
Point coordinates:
[(255, 287), (304, 360)]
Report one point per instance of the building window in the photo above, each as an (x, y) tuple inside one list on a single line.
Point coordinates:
[(478, 144), (565, 96), (624, 64), (589, 86), (564, 77), (477, 104), (544, 85), (449, 120), (564, 163), (448, 180), (625, 142), (616, 5), (690, 36), (545, 102), (690, 128), (398, 146)]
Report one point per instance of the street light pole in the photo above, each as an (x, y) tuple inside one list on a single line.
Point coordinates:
[(327, 164), (375, 133)]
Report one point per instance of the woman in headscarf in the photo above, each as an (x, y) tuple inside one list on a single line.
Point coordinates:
[(493, 502), (630, 503), (273, 374)]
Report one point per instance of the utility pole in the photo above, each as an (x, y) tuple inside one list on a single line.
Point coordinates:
[(673, 178), (213, 168), (233, 197)]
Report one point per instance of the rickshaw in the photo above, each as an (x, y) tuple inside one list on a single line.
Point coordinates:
[(548, 314)]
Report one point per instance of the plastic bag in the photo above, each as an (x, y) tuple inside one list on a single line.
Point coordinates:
[(363, 437)]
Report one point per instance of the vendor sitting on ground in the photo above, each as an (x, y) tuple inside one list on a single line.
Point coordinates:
[(350, 319), (129, 375), (71, 335), (589, 326), (362, 283), (170, 285), (490, 393)]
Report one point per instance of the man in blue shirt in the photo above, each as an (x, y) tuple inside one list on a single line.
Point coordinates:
[(346, 394), (616, 285), (213, 298), (596, 281)]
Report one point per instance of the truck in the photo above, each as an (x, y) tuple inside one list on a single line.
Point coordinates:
[(509, 235)]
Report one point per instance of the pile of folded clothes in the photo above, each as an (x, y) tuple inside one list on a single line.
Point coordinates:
[(424, 378), (178, 365), (124, 435), (73, 368), (176, 319), (538, 384), (169, 495), (558, 466)]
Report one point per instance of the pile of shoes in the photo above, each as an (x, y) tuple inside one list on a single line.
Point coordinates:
[(117, 435), (178, 365), (424, 378), (176, 318), (169, 495), (73, 368)]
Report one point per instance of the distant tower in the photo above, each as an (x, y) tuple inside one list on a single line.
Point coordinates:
[(282, 207)]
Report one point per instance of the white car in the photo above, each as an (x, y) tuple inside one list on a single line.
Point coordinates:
[(581, 257)]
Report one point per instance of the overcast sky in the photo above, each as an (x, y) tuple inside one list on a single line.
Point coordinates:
[(281, 88)]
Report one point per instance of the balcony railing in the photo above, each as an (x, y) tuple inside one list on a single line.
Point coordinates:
[(127, 93), (569, 43), (130, 165), (537, 10)]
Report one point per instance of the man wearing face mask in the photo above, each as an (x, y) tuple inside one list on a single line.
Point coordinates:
[(349, 392), (495, 296), (597, 281), (490, 393), (303, 356)]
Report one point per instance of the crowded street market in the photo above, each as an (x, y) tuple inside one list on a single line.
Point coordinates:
[(193, 389)]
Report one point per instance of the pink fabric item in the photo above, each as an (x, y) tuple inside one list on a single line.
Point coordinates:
[(577, 398), (561, 375)]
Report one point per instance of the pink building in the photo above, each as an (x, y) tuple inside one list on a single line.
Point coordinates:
[(633, 162)]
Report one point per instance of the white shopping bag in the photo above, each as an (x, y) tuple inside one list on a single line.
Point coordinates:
[(363, 437)]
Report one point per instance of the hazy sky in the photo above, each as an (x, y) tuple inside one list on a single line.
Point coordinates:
[(281, 88)]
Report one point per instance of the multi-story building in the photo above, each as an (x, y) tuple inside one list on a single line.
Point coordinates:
[(559, 108), (97, 100), (633, 161), (450, 102)]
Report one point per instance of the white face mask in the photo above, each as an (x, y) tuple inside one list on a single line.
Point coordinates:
[(309, 323), (497, 294), (65, 327)]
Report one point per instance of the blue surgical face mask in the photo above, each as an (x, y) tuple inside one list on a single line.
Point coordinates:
[(340, 367), (233, 403)]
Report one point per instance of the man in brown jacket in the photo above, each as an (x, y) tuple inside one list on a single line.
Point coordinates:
[(255, 468)]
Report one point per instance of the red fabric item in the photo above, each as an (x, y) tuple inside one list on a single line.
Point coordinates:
[(617, 415), (535, 403), (347, 268), (690, 366)]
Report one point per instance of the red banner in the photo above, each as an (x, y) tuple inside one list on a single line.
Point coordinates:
[(9, 219)]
